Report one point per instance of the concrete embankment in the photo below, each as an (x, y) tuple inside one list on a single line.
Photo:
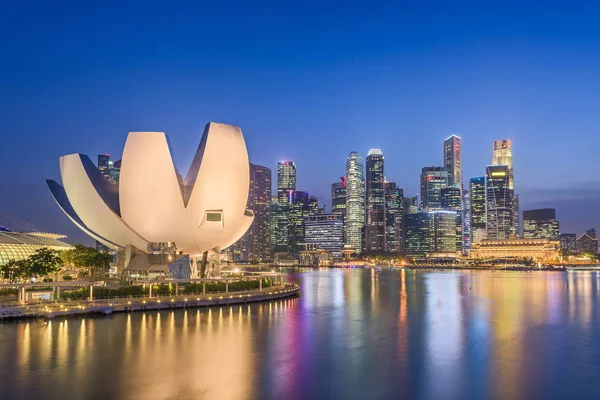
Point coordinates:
[(52, 310)]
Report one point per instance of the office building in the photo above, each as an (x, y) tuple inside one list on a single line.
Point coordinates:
[(286, 180), (499, 203), (453, 160), (416, 234), (540, 224), (502, 155), (338, 197), (568, 242), (375, 203), (281, 227), (355, 202), (587, 244), (433, 179), (411, 205), (451, 198), (324, 232), (477, 207), (255, 245), (445, 231), (394, 218), (466, 222)]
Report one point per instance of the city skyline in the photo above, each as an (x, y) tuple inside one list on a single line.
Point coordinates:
[(400, 79)]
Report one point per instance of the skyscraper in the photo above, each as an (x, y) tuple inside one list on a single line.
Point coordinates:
[(280, 227), (478, 217), (416, 234), (499, 202), (411, 205), (540, 224), (451, 198), (502, 155), (355, 201), (109, 169), (394, 218), (338, 197), (286, 180), (325, 232), (300, 208), (445, 232), (433, 179), (375, 202), (453, 160)]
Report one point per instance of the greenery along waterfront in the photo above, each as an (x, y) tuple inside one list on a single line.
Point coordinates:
[(163, 289)]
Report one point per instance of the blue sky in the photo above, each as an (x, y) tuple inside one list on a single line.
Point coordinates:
[(307, 82)]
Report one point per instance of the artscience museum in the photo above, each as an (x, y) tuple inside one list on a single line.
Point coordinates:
[(156, 219)]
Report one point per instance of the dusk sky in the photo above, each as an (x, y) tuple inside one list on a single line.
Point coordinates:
[(306, 82)]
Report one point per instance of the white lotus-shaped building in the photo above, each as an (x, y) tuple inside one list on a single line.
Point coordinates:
[(206, 211)]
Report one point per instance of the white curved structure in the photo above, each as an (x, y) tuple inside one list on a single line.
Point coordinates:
[(206, 211)]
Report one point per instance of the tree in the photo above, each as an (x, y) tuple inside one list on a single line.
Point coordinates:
[(45, 262)]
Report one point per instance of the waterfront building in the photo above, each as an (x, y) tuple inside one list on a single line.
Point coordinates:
[(313, 206), (375, 203), (568, 242), (300, 208), (587, 244), (281, 228), (477, 207), (433, 179), (394, 218), (324, 232), (451, 198), (255, 245), (151, 205), (466, 221), (537, 249), (411, 205), (445, 231), (416, 234), (540, 223), (355, 202), (502, 155), (499, 202), (19, 246), (286, 180), (453, 160), (338, 197)]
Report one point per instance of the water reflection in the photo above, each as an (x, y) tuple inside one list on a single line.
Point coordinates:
[(351, 334)]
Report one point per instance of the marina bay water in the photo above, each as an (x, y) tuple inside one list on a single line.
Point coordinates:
[(351, 334)]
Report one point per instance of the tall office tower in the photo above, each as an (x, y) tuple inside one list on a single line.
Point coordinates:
[(416, 234), (540, 224), (499, 202), (411, 205), (313, 205), (338, 197), (466, 222), (445, 234), (286, 180), (394, 218), (433, 179), (568, 242), (324, 232), (502, 155), (300, 208), (453, 160), (280, 227), (355, 201), (451, 198), (116, 172), (477, 200), (375, 203), (255, 245)]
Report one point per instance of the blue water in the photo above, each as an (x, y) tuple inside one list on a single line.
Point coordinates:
[(351, 334)]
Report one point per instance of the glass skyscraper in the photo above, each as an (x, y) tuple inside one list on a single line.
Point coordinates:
[(286, 180), (502, 155), (477, 200), (453, 160), (433, 179), (499, 202), (338, 197), (375, 203), (394, 218), (355, 201), (540, 224)]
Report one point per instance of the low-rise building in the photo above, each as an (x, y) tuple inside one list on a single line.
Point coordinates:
[(537, 249)]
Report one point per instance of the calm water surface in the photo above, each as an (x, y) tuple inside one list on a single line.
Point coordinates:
[(352, 334)]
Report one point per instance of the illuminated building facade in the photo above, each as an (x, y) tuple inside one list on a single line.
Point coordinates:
[(499, 202), (20, 245), (445, 231), (540, 224), (568, 242), (416, 234), (375, 203), (587, 244), (537, 249), (324, 232), (394, 218), (453, 160), (355, 201), (502, 155), (286, 180), (281, 228), (451, 198), (338, 197), (433, 179), (411, 205), (477, 206), (466, 221)]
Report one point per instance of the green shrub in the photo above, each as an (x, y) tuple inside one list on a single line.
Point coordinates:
[(8, 292)]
